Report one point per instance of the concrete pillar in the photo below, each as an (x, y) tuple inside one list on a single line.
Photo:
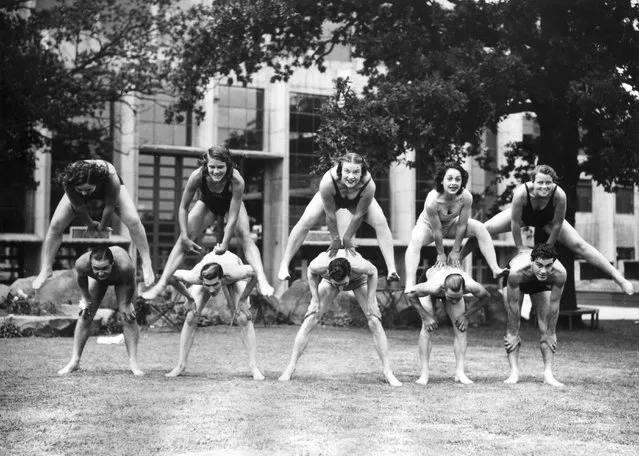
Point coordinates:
[(42, 200), (276, 183), (205, 134), (636, 232), (604, 208), (402, 181), (125, 154)]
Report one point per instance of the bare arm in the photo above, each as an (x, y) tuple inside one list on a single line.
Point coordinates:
[(513, 312), (462, 225), (327, 193), (81, 210), (183, 211), (360, 212), (483, 297), (313, 274), (111, 197), (519, 200), (558, 217), (82, 279), (237, 186), (436, 227)]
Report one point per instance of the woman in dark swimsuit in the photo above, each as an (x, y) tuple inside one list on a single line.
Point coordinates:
[(92, 188), (348, 185), (542, 203), (221, 188)]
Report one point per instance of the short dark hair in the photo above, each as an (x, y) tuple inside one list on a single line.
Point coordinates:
[(211, 271), (441, 172), (544, 169), (82, 172), (339, 269), (351, 157), (101, 254), (454, 282), (543, 251)]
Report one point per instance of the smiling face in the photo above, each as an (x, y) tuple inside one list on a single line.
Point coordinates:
[(351, 174), (101, 268), (543, 185), (217, 169), (452, 181), (542, 268), (85, 189)]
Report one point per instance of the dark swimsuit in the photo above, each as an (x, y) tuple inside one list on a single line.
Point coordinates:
[(529, 287), (539, 217), (94, 202), (217, 203), (345, 203)]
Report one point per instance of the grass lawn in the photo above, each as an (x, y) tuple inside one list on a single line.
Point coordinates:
[(336, 403)]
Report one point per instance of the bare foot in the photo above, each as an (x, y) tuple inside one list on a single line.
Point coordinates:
[(265, 288), (257, 375), (72, 366), (461, 378), (423, 380), (176, 372), (514, 378), (136, 370), (625, 286), (283, 274), (392, 381), (392, 277), (148, 274), (550, 379), (286, 375), (42, 277), (153, 292)]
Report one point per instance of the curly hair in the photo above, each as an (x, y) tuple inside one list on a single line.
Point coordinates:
[(544, 169), (221, 153), (339, 269), (353, 158), (544, 252), (211, 271), (82, 172), (441, 172)]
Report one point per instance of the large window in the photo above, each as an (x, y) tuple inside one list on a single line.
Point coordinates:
[(584, 195), (241, 118), (155, 130), (625, 197)]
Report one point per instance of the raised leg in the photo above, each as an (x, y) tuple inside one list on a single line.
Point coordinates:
[(375, 218), (477, 230), (251, 252), (420, 236)]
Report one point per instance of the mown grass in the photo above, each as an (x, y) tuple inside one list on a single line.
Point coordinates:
[(336, 404)]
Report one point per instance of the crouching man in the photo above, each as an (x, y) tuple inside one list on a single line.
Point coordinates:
[(95, 271), (448, 284), (213, 274), (326, 278), (542, 276)]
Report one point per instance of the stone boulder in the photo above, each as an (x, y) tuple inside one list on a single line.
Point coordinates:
[(61, 288)]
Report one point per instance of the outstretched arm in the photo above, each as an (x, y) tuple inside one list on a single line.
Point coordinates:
[(183, 211), (237, 185), (462, 225), (483, 297), (111, 198), (559, 216), (360, 212), (327, 193), (519, 200), (436, 227)]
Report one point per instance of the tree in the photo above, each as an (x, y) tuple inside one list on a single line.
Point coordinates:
[(442, 72)]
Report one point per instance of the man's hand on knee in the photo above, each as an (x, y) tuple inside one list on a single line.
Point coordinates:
[(550, 340), (429, 322), (511, 342)]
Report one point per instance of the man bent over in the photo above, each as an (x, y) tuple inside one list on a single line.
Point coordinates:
[(326, 278), (542, 276), (213, 274), (94, 272), (448, 284)]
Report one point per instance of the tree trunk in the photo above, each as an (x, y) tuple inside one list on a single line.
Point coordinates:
[(559, 149)]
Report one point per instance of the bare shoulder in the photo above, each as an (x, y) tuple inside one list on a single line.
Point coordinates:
[(83, 263), (466, 198)]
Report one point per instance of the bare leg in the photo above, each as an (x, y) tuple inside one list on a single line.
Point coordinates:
[(312, 215), (547, 316), (250, 344), (420, 236), (131, 337), (477, 230), (187, 336), (381, 345), (62, 216), (500, 223), (425, 347), (460, 343), (513, 362), (569, 237), (199, 218), (131, 218), (301, 341), (251, 252), (375, 218), (512, 335)]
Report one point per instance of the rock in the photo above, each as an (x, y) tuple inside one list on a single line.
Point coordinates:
[(4, 291), (47, 326), (60, 288)]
